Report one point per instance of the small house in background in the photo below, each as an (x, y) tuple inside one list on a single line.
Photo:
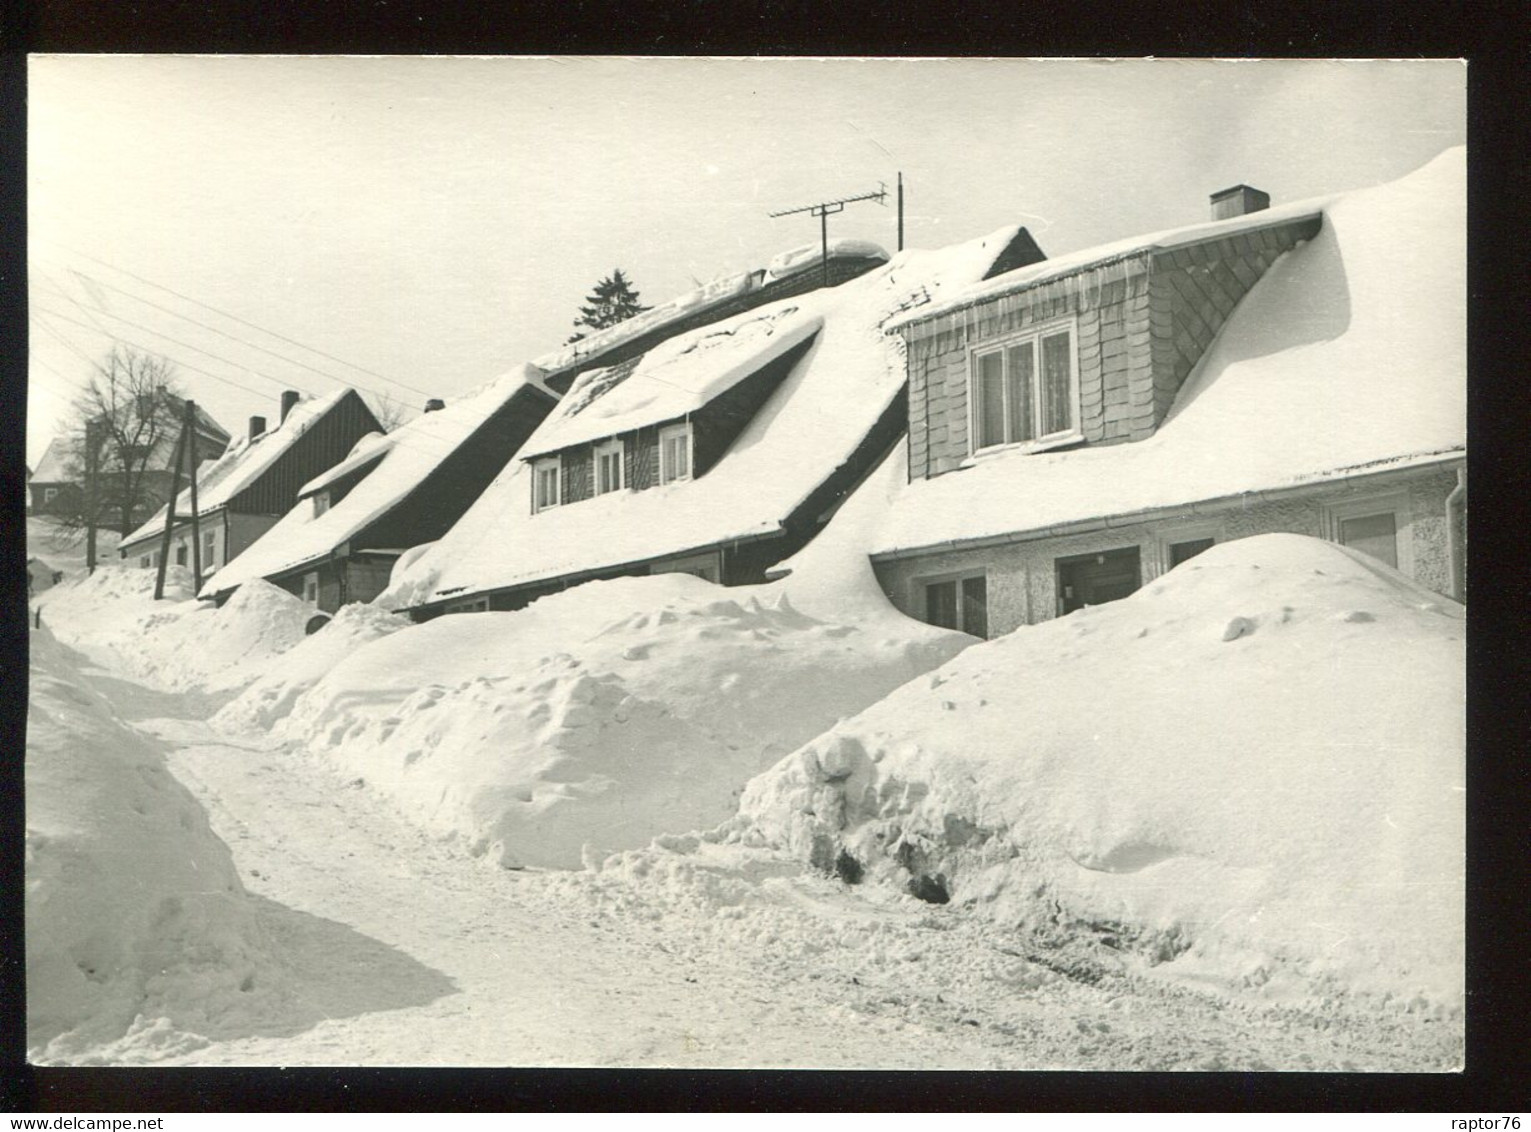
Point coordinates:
[(243, 493), (340, 542), (1081, 426), (54, 488), (717, 452)]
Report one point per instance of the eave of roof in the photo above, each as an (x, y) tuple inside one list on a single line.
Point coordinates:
[(1096, 258)]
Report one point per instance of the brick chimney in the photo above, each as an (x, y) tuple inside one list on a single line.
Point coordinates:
[(289, 399), (435, 404), (257, 426), (1240, 200)]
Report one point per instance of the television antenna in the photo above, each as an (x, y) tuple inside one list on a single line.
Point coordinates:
[(824, 209)]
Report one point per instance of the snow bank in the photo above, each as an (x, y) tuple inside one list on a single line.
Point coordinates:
[(133, 907), (177, 643), (604, 715), (272, 695), (1249, 773)]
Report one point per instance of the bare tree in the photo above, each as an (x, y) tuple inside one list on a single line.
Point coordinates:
[(389, 410), (122, 432)]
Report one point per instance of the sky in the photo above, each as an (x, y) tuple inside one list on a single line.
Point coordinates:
[(416, 226)]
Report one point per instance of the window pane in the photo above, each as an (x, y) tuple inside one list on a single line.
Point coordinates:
[(941, 604), (1057, 404), (991, 399), (1377, 535), (1181, 551), (975, 606), (1022, 377), (607, 471)]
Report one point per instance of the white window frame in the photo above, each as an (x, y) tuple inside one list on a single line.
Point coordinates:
[(311, 595), (469, 605), (539, 467), (603, 449), (666, 473), (920, 599), (49, 493), (1035, 334), (209, 550), (1361, 507)]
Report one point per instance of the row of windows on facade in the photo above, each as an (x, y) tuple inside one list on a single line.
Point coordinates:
[(962, 601), (183, 551), (609, 468)]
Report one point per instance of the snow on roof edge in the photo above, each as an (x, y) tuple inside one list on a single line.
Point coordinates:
[(1101, 255)]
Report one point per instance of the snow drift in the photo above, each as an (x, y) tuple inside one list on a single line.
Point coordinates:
[(133, 907), (602, 716), (272, 695), (177, 644), (1249, 773)]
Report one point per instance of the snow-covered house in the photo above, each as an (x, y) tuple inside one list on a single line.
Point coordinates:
[(717, 452), (1080, 426), (791, 273), (54, 487), (243, 493), (341, 540)]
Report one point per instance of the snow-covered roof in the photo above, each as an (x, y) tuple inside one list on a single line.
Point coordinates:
[(675, 378), (368, 450), (404, 458), (815, 419), (244, 461), (1349, 354), (711, 294), (51, 468), (1083, 260), (810, 255)]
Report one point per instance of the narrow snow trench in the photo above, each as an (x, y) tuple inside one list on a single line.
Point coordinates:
[(444, 959)]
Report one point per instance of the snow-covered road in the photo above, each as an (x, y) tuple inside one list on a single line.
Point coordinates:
[(403, 950)]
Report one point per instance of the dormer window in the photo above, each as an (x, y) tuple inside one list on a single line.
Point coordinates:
[(1025, 390), (321, 503), (675, 452), (608, 467), (545, 484)]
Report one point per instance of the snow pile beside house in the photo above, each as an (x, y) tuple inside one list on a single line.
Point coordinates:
[(133, 907), (177, 643), (604, 715), (1249, 774), (272, 696)]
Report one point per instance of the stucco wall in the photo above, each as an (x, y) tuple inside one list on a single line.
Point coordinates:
[(1022, 576)]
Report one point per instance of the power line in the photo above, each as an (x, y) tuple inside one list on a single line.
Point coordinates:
[(187, 345), (146, 349), (236, 318), (194, 322)]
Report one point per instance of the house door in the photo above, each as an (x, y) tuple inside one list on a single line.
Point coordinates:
[(1093, 579)]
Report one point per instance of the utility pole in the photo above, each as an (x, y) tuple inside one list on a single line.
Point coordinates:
[(92, 429), (901, 210), (175, 490), (189, 430), (823, 210)]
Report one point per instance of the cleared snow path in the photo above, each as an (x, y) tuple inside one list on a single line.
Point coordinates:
[(415, 953)]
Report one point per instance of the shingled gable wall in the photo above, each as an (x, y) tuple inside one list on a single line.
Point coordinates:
[(1141, 323)]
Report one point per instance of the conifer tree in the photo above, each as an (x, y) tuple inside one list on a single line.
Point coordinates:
[(614, 300)]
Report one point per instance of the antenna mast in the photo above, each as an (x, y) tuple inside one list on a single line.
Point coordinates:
[(824, 209)]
